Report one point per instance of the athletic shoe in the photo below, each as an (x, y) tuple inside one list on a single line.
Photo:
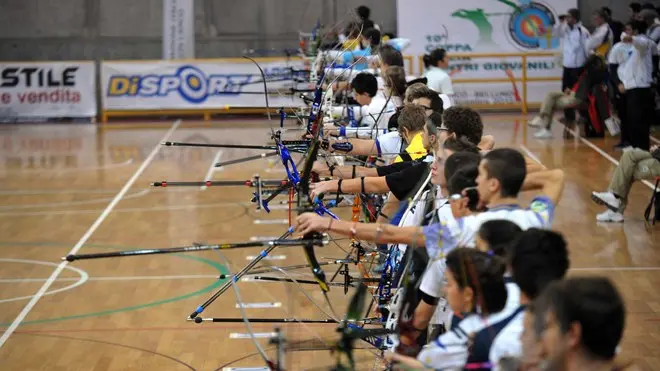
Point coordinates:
[(543, 134), (610, 216), (536, 122), (606, 199)]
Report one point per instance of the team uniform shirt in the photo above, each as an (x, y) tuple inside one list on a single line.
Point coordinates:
[(574, 40), (654, 32), (389, 145), (439, 80), (416, 216), (415, 150), (619, 55), (470, 343), (637, 72), (374, 118), (507, 342), (441, 236), (402, 183), (600, 42)]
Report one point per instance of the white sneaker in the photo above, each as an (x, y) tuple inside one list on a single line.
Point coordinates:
[(606, 199), (543, 134), (536, 122), (610, 216)]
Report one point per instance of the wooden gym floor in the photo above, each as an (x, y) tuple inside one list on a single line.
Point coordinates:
[(77, 187)]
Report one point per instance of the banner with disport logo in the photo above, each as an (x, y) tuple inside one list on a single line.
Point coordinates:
[(212, 85), (47, 90), (488, 26)]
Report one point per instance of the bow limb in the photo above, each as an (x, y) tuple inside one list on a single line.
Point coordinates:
[(263, 77)]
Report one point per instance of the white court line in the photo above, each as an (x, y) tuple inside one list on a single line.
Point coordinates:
[(118, 278), (617, 269), (604, 154), (212, 169), (31, 192), (247, 278), (530, 154), (77, 281), (271, 221), (259, 305), (236, 335), (28, 307), (125, 210)]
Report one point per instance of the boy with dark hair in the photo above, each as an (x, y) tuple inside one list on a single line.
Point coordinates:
[(373, 112), (537, 258), (502, 175), (579, 323), (462, 122), (364, 13)]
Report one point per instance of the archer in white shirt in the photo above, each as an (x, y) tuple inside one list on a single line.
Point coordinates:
[(373, 112)]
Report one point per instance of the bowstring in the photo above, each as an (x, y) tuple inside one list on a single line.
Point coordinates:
[(241, 306), (233, 284)]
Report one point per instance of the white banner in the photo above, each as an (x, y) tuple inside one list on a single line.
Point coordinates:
[(487, 26), (178, 29), (197, 85), (47, 90)]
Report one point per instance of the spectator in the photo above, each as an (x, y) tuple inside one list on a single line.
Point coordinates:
[(634, 165), (436, 65), (365, 13), (637, 78), (601, 40), (615, 26), (574, 39), (579, 323), (635, 8), (617, 59)]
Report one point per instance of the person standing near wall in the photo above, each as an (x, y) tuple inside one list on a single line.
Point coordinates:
[(574, 38), (600, 41), (637, 78)]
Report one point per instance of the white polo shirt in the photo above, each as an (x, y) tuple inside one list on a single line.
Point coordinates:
[(439, 80)]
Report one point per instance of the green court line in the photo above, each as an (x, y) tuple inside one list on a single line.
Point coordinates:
[(219, 267)]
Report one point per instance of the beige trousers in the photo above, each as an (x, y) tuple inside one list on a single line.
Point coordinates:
[(635, 164), (555, 101)]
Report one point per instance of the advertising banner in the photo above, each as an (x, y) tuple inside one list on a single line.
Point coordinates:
[(169, 85), (47, 90), (178, 29), (488, 26)]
